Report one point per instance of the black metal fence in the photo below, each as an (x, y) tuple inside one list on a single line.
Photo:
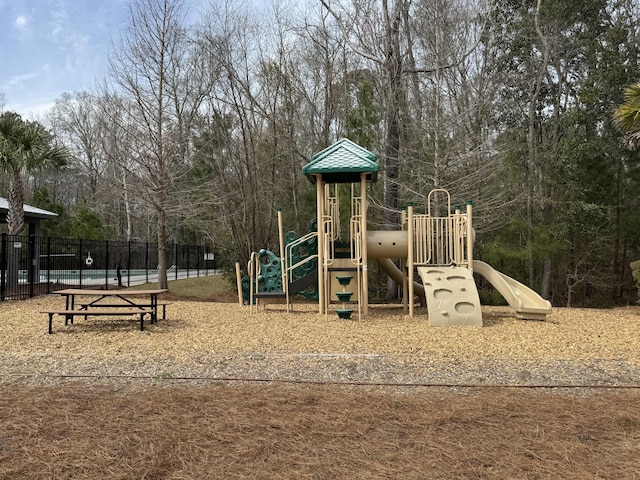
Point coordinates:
[(31, 266)]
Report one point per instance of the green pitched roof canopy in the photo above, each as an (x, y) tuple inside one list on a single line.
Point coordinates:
[(342, 162)]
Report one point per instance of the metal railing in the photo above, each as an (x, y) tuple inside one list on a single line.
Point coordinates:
[(440, 240), (289, 265), (32, 266)]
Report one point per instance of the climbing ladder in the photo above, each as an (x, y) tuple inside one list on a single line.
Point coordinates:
[(342, 261), (344, 296)]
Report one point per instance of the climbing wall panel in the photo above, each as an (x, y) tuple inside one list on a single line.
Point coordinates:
[(452, 296)]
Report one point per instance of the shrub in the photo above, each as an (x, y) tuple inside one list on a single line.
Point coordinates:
[(635, 271)]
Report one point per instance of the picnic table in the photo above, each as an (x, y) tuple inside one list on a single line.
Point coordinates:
[(108, 303)]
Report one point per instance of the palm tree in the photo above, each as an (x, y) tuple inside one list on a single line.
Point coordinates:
[(627, 115), (25, 147)]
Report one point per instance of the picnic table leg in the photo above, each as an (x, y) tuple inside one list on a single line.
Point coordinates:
[(141, 322), (154, 308), (69, 305), (50, 323)]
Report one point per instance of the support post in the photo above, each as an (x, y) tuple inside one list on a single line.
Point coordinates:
[(283, 260), (470, 235), (365, 253), (410, 255), (320, 214), (403, 264), (239, 282)]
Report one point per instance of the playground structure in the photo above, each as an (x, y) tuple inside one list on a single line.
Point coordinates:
[(329, 264)]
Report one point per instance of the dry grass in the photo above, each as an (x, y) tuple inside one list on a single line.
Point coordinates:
[(211, 288), (161, 428), (276, 432)]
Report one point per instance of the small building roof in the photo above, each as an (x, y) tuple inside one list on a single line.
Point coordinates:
[(29, 211), (342, 162)]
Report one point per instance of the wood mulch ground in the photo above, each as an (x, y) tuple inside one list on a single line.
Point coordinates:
[(214, 392)]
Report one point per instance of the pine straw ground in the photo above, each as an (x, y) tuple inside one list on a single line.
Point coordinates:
[(214, 392)]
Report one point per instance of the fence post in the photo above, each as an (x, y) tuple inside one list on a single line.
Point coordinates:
[(48, 264), (146, 263), (188, 258), (175, 259), (106, 266), (81, 264), (31, 263), (3, 268), (129, 263)]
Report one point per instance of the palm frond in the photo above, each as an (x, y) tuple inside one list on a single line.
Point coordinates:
[(627, 115)]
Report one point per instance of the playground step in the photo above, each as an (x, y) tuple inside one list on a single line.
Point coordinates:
[(269, 295), (344, 280), (344, 313), (342, 249), (344, 296), (303, 283)]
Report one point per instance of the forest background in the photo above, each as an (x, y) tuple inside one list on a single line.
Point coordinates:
[(199, 133)]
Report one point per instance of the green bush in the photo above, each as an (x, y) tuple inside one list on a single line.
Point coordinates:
[(635, 271)]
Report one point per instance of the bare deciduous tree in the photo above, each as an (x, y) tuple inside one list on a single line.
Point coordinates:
[(154, 70)]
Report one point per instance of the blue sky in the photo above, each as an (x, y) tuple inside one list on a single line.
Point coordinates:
[(48, 47)]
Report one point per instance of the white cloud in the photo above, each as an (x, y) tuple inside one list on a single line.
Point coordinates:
[(59, 22), (18, 80), (36, 109), (21, 21)]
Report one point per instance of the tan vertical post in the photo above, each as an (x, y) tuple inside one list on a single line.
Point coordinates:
[(403, 264), (251, 281), (410, 255), (459, 247), (365, 254), (469, 235), (239, 282), (283, 260), (320, 213)]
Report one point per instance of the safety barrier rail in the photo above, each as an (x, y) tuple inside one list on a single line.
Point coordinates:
[(440, 240), (289, 266)]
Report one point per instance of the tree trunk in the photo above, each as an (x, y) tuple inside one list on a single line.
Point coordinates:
[(15, 215), (545, 289), (393, 66), (15, 220), (162, 248)]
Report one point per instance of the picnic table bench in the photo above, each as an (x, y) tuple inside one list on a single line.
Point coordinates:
[(131, 302), (69, 314), (159, 304)]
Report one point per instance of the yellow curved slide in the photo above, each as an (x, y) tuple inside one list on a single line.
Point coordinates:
[(526, 302)]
